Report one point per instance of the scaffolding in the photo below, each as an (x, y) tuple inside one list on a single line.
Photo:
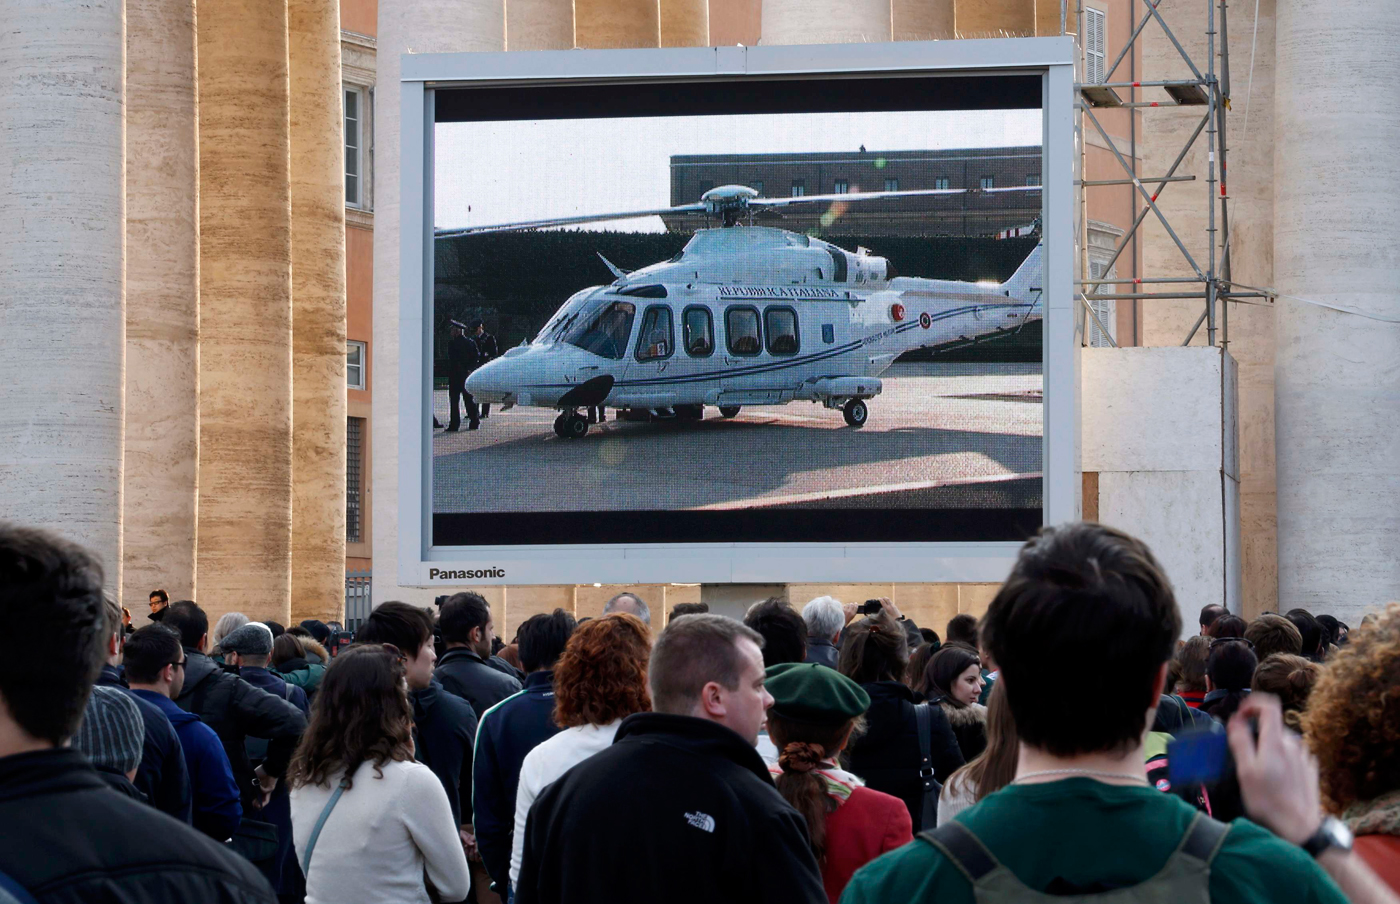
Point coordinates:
[(1210, 91)]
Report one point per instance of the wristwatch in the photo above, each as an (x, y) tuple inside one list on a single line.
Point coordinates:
[(1332, 834)]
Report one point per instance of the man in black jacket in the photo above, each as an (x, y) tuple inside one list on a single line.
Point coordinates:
[(162, 776), (510, 730), (466, 627), (67, 837), (485, 350), (680, 808), (235, 709), (444, 725), (462, 359)]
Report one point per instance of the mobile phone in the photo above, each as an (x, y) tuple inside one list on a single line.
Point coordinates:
[(1198, 757), (869, 607)]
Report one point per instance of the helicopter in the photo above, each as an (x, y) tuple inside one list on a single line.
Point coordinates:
[(744, 315)]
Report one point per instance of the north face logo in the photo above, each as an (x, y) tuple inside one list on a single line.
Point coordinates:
[(702, 821)]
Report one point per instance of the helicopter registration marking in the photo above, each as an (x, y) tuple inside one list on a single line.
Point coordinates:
[(805, 292)]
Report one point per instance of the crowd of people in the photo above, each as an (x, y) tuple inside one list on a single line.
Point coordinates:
[(836, 752)]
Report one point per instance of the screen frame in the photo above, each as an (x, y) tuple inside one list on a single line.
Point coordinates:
[(421, 564)]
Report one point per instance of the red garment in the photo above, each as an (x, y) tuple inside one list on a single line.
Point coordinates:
[(1193, 699), (1381, 853), (867, 825)]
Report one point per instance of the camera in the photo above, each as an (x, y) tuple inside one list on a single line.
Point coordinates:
[(869, 607)]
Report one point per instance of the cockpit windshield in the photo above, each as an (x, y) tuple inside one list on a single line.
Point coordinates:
[(563, 318), (602, 329)]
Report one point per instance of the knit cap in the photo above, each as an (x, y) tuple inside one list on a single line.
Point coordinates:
[(112, 730)]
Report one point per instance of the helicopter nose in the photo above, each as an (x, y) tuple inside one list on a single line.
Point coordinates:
[(493, 381)]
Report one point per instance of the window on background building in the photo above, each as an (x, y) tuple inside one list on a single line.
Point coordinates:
[(354, 477), (757, 185), (988, 182), (706, 185), (354, 145), (941, 182), (355, 365), (1106, 309), (1033, 180), (799, 187), (1095, 45), (891, 185), (841, 187)]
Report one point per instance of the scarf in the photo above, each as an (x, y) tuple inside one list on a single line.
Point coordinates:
[(839, 783), (1375, 817)]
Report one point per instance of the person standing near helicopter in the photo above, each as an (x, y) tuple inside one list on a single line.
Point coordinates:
[(486, 350), (462, 358)]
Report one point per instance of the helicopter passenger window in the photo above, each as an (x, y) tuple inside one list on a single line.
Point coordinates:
[(828, 333), (741, 328), (698, 332), (657, 338), (604, 331), (781, 325)]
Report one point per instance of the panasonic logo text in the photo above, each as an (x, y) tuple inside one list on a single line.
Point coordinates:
[(444, 574)]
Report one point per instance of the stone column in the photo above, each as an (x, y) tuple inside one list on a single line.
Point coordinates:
[(826, 21), (423, 26), (617, 23), (995, 18), (1337, 389), (922, 20), (62, 304), (245, 366), (539, 24), (318, 310), (685, 23), (162, 306)]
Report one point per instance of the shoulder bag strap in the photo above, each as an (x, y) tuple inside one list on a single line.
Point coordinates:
[(925, 720), (1204, 837), (966, 851), (320, 824)]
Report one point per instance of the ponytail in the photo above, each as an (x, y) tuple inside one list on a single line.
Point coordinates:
[(801, 786)]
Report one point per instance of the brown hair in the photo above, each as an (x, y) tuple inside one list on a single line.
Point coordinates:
[(361, 714), (1272, 633), (995, 767), (692, 652), (602, 674), (1227, 625), (286, 647), (1192, 656), (1353, 719), (914, 672), (875, 649), (1290, 678), (802, 746)]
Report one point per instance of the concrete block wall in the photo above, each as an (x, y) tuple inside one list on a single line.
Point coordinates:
[(1161, 461)]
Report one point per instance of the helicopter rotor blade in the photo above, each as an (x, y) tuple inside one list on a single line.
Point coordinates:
[(566, 221), (763, 203)]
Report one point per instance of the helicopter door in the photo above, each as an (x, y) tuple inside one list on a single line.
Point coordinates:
[(653, 354), (744, 381)]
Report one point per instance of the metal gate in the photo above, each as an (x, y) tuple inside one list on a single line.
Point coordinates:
[(357, 598)]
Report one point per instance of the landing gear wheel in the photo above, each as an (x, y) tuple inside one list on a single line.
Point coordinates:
[(560, 422), (855, 413), (728, 410), (576, 427)]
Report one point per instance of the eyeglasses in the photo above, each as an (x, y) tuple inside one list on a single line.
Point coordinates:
[(180, 664), (1233, 640)]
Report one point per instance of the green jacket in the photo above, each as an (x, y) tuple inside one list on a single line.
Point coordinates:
[(308, 678)]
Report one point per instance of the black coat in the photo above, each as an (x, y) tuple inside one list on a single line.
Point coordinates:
[(162, 777), (887, 756), (822, 651), (235, 710), (462, 358), (69, 838), (444, 728), (467, 675), (486, 347), (678, 810), (969, 726)]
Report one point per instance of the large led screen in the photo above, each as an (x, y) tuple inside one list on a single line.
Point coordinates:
[(792, 311)]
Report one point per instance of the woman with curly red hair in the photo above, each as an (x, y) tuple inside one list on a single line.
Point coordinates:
[(599, 680), (1352, 724)]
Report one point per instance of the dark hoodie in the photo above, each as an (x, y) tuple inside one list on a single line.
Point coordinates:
[(444, 730), (715, 828)]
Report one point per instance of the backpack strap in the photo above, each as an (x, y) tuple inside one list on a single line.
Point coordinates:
[(964, 849), (1204, 838), (321, 824)]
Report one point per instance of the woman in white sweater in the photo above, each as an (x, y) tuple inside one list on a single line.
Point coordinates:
[(367, 821), (599, 680)]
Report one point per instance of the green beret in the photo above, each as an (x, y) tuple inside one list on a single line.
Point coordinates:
[(812, 693)]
